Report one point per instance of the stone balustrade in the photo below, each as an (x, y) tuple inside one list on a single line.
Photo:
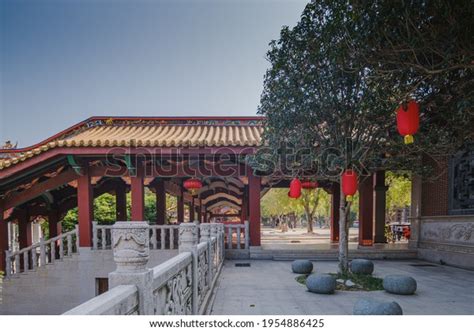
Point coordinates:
[(237, 236), (182, 285), (44, 252), (161, 236)]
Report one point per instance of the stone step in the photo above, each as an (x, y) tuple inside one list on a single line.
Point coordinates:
[(280, 255)]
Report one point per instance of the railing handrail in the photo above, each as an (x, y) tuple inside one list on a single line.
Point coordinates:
[(107, 301), (42, 242), (167, 269)]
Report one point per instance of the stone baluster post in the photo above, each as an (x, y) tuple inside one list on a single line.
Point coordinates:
[(205, 231), (131, 247), (188, 237)]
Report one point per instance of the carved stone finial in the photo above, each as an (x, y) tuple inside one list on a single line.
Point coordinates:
[(205, 231), (188, 236), (214, 229), (131, 245)]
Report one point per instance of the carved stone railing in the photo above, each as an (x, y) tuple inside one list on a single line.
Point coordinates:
[(237, 236), (183, 285), (121, 300), (44, 252), (161, 236)]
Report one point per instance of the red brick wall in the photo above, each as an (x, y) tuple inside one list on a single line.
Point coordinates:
[(434, 192)]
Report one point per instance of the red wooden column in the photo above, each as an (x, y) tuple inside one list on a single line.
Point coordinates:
[(335, 201), (121, 201), (244, 211), (254, 208), (24, 229), (380, 199), (85, 213), (366, 211), (180, 207), (160, 202), (53, 222), (204, 215), (138, 196), (199, 212), (192, 210), (3, 237)]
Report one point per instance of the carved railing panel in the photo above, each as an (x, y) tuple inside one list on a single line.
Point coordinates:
[(173, 286)]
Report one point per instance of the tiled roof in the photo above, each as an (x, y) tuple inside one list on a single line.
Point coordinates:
[(113, 133)]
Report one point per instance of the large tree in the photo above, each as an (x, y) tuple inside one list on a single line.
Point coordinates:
[(331, 91)]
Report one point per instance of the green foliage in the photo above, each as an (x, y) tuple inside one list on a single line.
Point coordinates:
[(399, 190), (104, 209), (276, 202), (363, 282)]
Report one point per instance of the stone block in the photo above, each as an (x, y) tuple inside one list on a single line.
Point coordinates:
[(362, 266), (322, 284), (399, 284), (375, 307), (302, 266)]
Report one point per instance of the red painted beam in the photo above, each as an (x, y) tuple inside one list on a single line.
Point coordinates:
[(38, 189), (335, 201), (254, 208), (104, 151), (85, 209)]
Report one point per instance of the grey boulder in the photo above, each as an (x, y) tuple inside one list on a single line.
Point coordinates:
[(361, 266), (322, 284), (399, 284), (375, 307), (302, 266)]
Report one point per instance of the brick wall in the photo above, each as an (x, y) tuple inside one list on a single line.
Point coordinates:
[(434, 192)]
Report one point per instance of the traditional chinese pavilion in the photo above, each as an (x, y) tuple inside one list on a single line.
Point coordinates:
[(127, 154)]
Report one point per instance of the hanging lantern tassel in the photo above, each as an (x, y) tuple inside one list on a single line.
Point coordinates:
[(349, 184), (295, 189), (408, 121)]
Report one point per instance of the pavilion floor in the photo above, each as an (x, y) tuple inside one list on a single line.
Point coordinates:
[(269, 287), (299, 239)]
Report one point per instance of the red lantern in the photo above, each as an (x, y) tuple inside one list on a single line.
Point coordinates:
[(192, 185), (309, 185), (349, 184), (408, 121), (295, 189)]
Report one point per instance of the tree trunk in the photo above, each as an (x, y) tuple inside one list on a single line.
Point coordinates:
[(343, 234), (309, 219)]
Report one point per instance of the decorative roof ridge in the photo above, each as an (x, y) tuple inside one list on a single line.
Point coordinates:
[(109, 120)]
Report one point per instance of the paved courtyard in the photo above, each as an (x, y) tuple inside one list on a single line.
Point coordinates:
[(269, 287)]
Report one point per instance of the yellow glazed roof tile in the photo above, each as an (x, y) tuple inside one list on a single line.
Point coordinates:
[(148, 135)]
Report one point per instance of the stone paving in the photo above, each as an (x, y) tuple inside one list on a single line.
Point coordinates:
[(269, 288)]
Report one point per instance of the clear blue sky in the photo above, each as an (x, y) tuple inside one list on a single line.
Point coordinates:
[(65, 60)]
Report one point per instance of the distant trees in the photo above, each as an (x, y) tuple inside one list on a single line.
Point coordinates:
[(104, 209), (312, 203)]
